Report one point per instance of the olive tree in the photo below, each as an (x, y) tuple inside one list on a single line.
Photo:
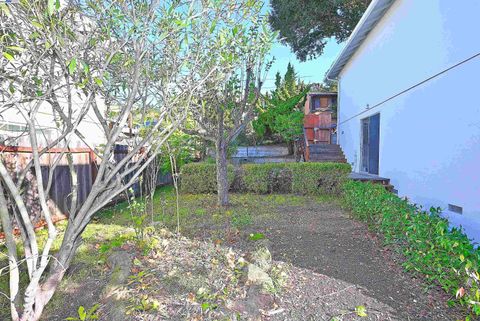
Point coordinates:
[(223, 110), (67, 59)]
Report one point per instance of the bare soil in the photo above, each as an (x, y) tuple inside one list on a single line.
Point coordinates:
[(334, 267), (335, 251)]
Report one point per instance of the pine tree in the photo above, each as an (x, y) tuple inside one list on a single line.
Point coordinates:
[(290, 77), (278, 80)]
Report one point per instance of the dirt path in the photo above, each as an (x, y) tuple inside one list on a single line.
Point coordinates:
[(322, 238)]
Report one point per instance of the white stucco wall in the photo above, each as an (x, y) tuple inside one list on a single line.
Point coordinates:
[(429, 136)]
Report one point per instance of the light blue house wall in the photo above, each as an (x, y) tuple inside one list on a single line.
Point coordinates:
[(430, 135)]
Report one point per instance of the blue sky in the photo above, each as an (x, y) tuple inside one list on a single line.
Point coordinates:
[(311, 71)]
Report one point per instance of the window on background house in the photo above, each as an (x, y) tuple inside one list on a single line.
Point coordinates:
[(11, 127), (315, 103), (333, 101)]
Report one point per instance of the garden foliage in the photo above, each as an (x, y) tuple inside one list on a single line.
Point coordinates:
[(298, 178), (442, 254), (201, 178), (282, 113)]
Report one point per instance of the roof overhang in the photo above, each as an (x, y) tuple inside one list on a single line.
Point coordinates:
[(321, 93), (375, 11)]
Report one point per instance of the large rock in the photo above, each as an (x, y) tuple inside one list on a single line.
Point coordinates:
[(258, 276), (262, 258)]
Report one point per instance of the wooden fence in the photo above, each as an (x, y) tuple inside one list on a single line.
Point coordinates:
[(60, 193)]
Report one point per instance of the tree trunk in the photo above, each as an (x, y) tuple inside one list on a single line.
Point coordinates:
[(222, 179), (42, 296), (14, 275), (291, 147), (45, 290)]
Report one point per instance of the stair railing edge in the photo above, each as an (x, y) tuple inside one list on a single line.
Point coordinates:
[(306, 155)]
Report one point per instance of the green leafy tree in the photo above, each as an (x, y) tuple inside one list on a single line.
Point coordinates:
[(63, 58), (223, 112), (182, 147), (306, 26), (288, 122), (282, 112)]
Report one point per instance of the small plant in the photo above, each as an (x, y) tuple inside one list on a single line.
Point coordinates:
[(200, 212), (240, 220), (256, 236), (278, 274), (361, 311), (140, 280), (112, 244), (143, 304), (138, 215), (85, 315), (208, 299)]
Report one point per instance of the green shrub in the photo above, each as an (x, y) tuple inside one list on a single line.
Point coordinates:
[(201, 178), (299, 178), (443, 255), (319, 178), (266, 178)]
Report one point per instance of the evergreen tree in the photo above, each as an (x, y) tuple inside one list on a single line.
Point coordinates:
[(290, 77), (282, 113), (278, 80)]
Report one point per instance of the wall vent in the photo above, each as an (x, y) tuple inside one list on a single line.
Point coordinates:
[(455, 208)]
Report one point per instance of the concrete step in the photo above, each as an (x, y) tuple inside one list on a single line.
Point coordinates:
[(365, 177), (328, 158), (326, 152), (325, 147)]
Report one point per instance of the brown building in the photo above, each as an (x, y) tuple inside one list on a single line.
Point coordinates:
[(320, 117)]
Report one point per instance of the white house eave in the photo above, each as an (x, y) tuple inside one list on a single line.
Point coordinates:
[(370, 18)]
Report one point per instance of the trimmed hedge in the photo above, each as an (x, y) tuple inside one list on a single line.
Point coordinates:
[(442, 254), (265, 178), (298, 178), (201, 178), (319, 178)]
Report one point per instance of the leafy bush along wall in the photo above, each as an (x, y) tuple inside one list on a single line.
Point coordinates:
[(298, 178), (443, 255)]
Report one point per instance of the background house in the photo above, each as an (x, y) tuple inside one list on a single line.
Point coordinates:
[(409, 102), (320, 119), (13, 124)]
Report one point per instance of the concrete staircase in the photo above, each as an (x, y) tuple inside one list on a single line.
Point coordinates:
[(334, 153), (375, 179), (326, 153)]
